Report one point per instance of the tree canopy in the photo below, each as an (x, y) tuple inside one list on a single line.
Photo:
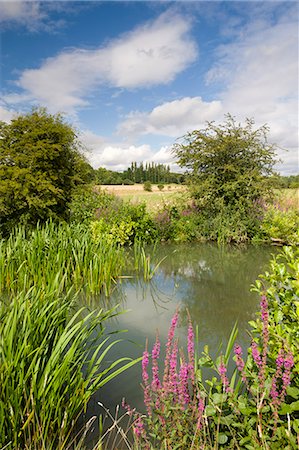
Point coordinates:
[(229, 165), (40, 162)]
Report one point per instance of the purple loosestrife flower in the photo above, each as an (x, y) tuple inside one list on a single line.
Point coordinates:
[(265, 336), (200, 410), (256, 354), (286, 377), (222, 371), (145, 378), (239, 361), (138, 428), (183, 390), (274, 394), (172, 385), (156, 385), (171, 331), (190, 347)]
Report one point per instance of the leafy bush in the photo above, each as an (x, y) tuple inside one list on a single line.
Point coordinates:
[(85, 201), (281, 225), (124, 222), (147, 186)]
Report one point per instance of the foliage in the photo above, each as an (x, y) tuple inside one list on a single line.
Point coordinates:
[(282, 283), (124, 222), (52, 360), (283, 182), (256, 408), (281, 225), (160, 187), (39, 164), (147, 186), (229, 166), (64, 253), (86, 201)]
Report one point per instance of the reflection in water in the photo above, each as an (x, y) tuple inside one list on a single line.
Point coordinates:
[(212, 282)]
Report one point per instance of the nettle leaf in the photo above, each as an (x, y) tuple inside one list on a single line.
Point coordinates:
[(210, 411), (222, 438), (219, 398), (293, 392)]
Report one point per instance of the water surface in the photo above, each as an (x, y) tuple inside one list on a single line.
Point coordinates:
[(211, 282)]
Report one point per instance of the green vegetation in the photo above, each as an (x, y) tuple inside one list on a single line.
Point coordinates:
[(230, 167), (147, 186), (61, 236), (39, 165), (152, 172), (194, 404), (53, 357)]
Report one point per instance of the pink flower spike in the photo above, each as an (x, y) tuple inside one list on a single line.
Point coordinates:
[(156, 385)]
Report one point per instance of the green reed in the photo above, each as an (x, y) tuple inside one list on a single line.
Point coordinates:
[(41, 256), (52, 360)]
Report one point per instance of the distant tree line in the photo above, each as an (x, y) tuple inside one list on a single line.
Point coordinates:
[(139, 173), (281, 182)]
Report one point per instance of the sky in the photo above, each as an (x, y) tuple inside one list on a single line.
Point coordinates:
[(134, 77)]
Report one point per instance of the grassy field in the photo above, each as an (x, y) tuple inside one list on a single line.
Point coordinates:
[(288, 198), (154, 200)]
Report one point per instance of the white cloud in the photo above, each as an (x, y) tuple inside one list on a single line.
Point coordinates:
[(118, 156), (172, 118), (5, 114), (152, 54), (260, 71), (33, 15)]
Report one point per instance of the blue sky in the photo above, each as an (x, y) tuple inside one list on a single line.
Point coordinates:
[(135, 76)]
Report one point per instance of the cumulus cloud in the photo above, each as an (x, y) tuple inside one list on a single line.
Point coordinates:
[(260, 74), (151, 54), (171, 118), (5, 114), (33, 15), (118, 156)]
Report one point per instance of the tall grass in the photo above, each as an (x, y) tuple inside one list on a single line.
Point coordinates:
[(52, 360), (48, 253)]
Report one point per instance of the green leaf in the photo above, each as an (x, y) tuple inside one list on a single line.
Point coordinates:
[(222, 438), (210, 411)]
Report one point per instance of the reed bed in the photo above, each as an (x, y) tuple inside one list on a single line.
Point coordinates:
[(52, 360), (66, 253)]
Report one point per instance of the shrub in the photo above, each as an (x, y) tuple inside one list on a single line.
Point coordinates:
[(160, 187), (147, 186)]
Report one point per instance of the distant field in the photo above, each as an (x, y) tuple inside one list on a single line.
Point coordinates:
[(137, 194), (289, 198)]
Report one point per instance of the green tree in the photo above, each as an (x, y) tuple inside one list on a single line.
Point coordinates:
[(229, 165), (39, 164)]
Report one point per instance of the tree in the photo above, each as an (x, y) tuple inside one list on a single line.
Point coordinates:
[(39, 159), (229, 165)]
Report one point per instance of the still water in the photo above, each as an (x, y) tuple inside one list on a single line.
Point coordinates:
[(211, 282)]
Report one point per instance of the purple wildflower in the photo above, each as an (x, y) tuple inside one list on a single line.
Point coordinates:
[(138, 428), (172, 328), (172, 381), (155, 369), (286, 377), (183, 385), (265, 335), (222, 372), (256, 354), (200, 410), (145, 378), (190, 347), (239, 361)]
